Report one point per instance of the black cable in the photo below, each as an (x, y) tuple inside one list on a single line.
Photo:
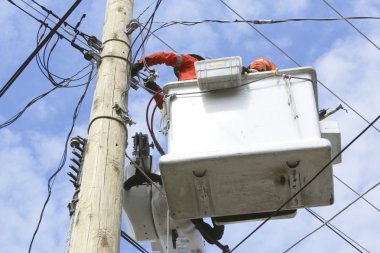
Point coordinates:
[(262, 21), (43, 64), (62, 162), (18, 115), (299, 65), (135, 244), (349, 187), (75, 29), (150, 20), (39, 47), (337, 231), (307, 184), (47, 26), (348, 22), (47, 17)]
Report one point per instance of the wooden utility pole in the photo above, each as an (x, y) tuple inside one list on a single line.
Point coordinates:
[(97, 219)]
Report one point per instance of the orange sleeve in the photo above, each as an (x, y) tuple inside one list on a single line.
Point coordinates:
[(169, 59)]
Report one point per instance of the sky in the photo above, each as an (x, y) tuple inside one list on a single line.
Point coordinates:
[(31, 148)]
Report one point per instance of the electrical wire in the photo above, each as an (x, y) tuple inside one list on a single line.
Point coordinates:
[(62, 162), (66, 24), (307, 183), (144, 174), (135, 244), (150, 5), (39, 47), (31, 102), (150, 128), (43, 65), (295, 62), (348, 22), (349, 187), (261, 21), (333, 217), (337, 231), (54, 15)]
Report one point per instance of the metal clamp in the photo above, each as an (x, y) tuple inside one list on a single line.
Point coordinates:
[(132, 25), (123, 114), (93, 57)]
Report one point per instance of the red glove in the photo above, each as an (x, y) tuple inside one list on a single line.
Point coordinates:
[(262, 64), (159, 98)]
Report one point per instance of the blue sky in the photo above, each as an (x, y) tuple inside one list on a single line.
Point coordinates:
[(345, 62)]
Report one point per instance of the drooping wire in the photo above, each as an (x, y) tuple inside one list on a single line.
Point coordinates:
[(145, 38), (260, 21), (43, 65), (307, 183), (352, 25), (63, 160), (333, 217), (39, 47), (150, 127), (31, 102), (337, 231), (352, 189), (295, 62), (49, 12), (75, 29), (135, 244), (142, 13)]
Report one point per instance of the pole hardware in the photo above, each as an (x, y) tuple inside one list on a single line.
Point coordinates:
[(132, 25), (123, 114)]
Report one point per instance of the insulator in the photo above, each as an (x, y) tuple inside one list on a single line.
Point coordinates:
[(76, 185), (76, 170), (76, 142), (75, 161), (72, 176), (77, 154)]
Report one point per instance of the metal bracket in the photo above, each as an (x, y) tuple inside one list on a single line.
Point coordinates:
[(134, 83), (93, 57), (123, 114), (295, 186), (93, 42), (132, 25)]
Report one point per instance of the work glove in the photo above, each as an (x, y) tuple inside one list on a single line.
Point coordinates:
[(152, 86), (159, 98), (245, 70), (136, 68)]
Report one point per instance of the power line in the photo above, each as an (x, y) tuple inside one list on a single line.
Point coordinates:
[(262, 21), (295, 62), (349, 187), (348, 22), (53, 14), (309, 182), (62, 162), (18, 115), (46, 25), (337, 231), (333, 217), (135, 244), (35, 51)]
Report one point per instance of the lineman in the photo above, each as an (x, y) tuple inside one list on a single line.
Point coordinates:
[(184, 68)]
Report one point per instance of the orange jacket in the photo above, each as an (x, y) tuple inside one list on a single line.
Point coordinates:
[(184, 62), (262, 64)]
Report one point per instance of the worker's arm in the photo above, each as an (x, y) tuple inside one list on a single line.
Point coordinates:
[(170, 59)]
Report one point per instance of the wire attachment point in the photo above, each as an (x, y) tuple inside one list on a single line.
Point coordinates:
[(123, 114), (132, 25)]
